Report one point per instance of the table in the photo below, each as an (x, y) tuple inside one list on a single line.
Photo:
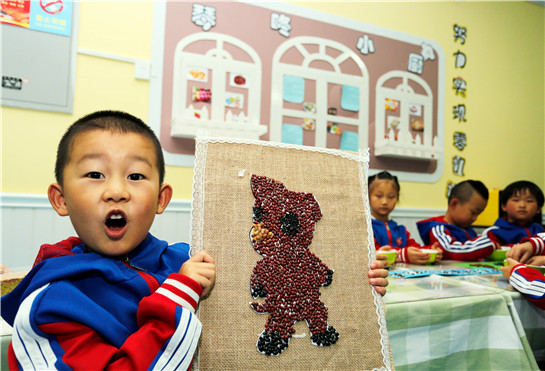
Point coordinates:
[(474, 322)]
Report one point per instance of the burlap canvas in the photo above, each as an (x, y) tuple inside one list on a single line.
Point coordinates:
[(222, 219)]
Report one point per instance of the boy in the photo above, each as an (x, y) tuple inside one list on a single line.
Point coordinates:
[(115, 296), (453, 231), (520, 201), (529, 281)]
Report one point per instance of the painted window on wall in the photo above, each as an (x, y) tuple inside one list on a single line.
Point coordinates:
[(325, 92)]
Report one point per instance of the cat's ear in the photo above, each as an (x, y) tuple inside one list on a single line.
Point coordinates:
[(256, 184)]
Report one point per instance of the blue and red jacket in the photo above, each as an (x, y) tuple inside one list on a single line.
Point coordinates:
[(457, 243), (394, 235), (85, 311), (530, 282), (509, 234)]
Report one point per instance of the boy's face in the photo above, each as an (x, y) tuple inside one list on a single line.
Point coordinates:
[(111, 190), (521, 207), (464, 214)]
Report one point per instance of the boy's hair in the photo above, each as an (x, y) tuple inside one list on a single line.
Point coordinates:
[(464, 190), (521, 186), (114, 121), (383, 175)]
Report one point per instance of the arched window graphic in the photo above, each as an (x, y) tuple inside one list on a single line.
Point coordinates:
[(404, 117), (216, 87), (319, 86)]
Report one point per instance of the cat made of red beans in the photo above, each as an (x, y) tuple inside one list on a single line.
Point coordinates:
[(288, 275)]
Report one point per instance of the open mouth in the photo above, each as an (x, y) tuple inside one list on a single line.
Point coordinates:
[(115, 224)]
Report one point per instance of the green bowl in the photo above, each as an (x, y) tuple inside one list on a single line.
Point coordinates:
[(391, 254), (433, 254), (497, 255)]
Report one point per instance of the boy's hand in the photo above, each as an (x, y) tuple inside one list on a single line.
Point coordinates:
[(521, 252), (202, 269), (506, 269), (417, 256), (536, 260), (385, 248), (439, 256), (378, 273)]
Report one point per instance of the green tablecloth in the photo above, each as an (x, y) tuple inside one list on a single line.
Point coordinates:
[(465, 322)]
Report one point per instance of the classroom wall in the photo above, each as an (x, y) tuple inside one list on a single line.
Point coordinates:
[(505, 74)]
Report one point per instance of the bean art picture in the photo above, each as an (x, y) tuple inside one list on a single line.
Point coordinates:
[(289, 229)]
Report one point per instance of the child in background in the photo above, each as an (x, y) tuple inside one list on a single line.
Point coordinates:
[(520, 201), (529, 281), (383, 196), (453, 231)]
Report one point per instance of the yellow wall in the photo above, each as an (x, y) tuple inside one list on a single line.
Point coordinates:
[(505, 102)]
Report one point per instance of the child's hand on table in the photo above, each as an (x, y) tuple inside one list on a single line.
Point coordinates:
[(521, 252), (439, 255), (378, 273), (536, 260), (506, 269), (417, 256), (201, 268)]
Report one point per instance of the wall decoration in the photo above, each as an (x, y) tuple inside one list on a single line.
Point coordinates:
[(309, 107), (39, 46), (416, 63), (295, 55), (460, 59), (460, 140), (281, 23), (349, 141), (201, 94), (450, 185), (350, 98), (234, 100), (292, 134), (427, 52), (459, 85), (460, 33), (294, 89), (204, 16), (459, 112), (239, 80), (365, 45), (458, 164), (197, 74), (46, 16), (308, 124), (281, 219), (391, 104), (333, 128)]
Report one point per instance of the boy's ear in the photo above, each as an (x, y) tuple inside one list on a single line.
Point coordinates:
[(56, 198), (453, 203), (165, 194)]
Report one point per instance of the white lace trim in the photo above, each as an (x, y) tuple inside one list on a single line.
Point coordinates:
[(197, 210), (197, 203), (379, 302), (361, 156)]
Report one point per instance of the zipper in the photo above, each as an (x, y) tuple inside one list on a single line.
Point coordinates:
[(152, 282), (131, 265)]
